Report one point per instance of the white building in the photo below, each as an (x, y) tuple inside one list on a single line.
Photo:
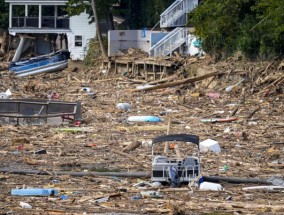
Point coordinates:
[(49, 27)]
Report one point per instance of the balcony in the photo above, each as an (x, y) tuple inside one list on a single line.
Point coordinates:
[(49, 22)]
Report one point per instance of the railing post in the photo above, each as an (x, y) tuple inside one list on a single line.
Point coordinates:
[(10, 15), (55, 16), (39, 16)]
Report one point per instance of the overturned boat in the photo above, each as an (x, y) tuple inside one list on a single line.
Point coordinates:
[(47, 63)]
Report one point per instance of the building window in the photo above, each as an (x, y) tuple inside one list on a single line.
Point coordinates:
[(78, 40)]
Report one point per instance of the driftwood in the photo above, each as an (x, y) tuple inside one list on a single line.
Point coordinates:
[(76, 174), (263, 188), (180, 82), (235, 180), (132, 146), (253, 112)]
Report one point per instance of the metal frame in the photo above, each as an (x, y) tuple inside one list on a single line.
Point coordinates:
[(45, 105), (183, 169)]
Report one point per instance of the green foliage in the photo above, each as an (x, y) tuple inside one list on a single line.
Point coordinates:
[(4, 14), (254, 27), (75, 7), (143, 13), (270, 15), (92, 58)]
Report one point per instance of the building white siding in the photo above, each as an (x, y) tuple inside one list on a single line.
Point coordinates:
[(79, 26)]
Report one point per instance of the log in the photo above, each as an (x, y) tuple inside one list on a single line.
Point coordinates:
[(180, 82), (132, 146), (235, 180), (76, 174)]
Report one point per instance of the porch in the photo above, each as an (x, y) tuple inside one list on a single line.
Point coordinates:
[(31, 17)]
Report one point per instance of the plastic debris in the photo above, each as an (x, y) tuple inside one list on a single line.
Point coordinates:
[(41, 151), (227, 130), (135, 197), (276, 180), (162, 113), (123, 106), (105, 199), (213, 95), (225, 168), (34, 192), (144, 119), (210, 186), (210, 145), (141, 87), (151, 194), (25, 205), (230, 88), (156, 184), (63, 197), (89, 92), (6, 95), (212, 120)]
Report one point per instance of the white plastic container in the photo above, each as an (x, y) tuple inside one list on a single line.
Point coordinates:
[(210, 186), (144, 119), (25, 205), (210, 145), (123, 106)]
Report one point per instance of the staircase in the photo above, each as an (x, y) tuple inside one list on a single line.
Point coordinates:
[(174, 16), (172, 41)]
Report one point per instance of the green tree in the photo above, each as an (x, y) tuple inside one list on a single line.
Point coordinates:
[(254, 27), (143, 13), (270, 17), (4, 14)]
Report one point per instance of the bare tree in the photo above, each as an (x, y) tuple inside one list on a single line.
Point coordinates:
[(98, 30)]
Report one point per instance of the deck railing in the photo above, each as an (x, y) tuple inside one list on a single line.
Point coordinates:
[(47, 22)]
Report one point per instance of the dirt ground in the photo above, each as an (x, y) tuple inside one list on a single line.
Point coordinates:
[(251, 147)]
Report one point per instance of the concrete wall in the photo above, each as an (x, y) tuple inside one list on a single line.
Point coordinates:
[(122, 40), (79, 25)]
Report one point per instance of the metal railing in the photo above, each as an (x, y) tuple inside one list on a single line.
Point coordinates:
[(169, 43), (47, 22), (176, 14), (39, 109)]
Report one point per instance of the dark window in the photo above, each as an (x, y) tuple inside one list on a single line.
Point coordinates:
[(78, 40)]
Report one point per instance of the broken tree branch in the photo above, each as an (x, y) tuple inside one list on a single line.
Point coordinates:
[(180, 82)]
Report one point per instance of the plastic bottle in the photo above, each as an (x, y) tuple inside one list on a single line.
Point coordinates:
[(34, 192), (144, 119)]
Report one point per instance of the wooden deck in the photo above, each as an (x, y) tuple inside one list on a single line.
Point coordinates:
[(147, 69)]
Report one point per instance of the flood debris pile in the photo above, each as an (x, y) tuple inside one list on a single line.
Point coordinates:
[(104, 165)]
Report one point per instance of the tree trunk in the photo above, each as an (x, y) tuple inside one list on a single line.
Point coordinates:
[(99, 35), (109, 19), (4, 42)]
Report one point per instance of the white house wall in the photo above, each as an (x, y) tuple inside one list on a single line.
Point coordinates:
[(121, 40), (79, 25)]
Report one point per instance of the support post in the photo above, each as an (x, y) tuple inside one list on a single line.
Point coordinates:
[(26, 15), (10, 15), (55, 16), (39, 16)]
